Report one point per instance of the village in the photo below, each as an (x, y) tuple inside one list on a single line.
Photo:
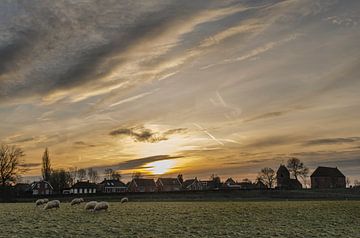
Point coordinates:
[(321, 178)]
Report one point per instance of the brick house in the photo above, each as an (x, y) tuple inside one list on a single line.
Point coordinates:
[(168, 184), (327, 177), (142, 185)]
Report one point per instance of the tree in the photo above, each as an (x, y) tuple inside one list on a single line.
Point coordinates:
[(356, 183), (46, 166), (297, 168), (92, 175), (10, 162), (73, 173), (60, 179), (267, 176), (108, 173), (115, 175), (81, 174)]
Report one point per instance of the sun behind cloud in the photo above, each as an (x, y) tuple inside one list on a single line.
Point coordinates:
[(160, 167)]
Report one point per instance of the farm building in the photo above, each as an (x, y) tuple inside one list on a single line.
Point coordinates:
[(284, 181), (192, 185), (41, 188), (230, 184), (83, 187), (142, 185), (112, 186), (326, 177), (22, 189), (168, 184)]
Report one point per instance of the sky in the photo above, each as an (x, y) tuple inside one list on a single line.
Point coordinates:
[(193, 87)]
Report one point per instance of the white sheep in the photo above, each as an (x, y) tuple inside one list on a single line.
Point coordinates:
[(52, 204), (90, 205), (125, 199), (76, 201), (40, 202), (101, 206)]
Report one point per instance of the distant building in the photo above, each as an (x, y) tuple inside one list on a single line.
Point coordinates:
[(142, 185), (83, 187), (260, 185), (231, 184), (112, 186), (192, 185), (326, 177), (41, 188), (284, 181), (22, 189), (168, 184)]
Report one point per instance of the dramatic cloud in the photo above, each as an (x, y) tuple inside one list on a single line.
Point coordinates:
[(141, 134), (331, 141)]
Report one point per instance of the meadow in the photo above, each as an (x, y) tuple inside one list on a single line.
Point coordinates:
[(186, 219)]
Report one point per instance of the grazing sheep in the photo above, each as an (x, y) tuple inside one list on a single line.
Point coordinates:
[(90, 205), (76, 201), (101, 206), (40, 202), (125, 199), (52, 204)]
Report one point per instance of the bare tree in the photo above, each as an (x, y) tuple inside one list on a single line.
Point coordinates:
[(73, 174), (108, 173), (348, 182), (297, 168), (93, 175), (82, 174), (46, 166), (267, 176), (10, 161), (356, 183), (116, 175)]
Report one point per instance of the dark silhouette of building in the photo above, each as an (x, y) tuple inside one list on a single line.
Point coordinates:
[(142, 185), (326, 177), (112, 186), (192, 185), (168, 184), (83, 187), (284, 181)]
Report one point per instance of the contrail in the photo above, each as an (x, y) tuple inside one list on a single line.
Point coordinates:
[(208, 133)]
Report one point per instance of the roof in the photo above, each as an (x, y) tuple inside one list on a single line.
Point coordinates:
[(282, 169), (169, 181), (84, 184), (327, 172), (33, 184), (230, 181), (112, 183), (188, 182), (141, 182)]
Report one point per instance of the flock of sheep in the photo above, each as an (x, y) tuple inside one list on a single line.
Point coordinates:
[(90, 206)]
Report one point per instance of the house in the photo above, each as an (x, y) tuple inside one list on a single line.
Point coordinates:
[(231, 184), (284, 181), (83, 187), (213, 184), (326, 177), (247, 185), (22, 189), (260, 185), (142, 185), (192, 185), (112, 186), (168, 184), (41, 188)]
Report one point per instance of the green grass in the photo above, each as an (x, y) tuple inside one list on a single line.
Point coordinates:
[(186, 219)]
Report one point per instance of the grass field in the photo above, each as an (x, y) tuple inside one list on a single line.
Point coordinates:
[(186, 219)]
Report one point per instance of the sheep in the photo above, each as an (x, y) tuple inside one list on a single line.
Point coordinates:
[(101, 206), (40, 202), (76, 201), (90, 205), (124, 200), (52, 204)]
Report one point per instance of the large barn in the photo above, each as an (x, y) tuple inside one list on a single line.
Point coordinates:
[(327, 177)]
